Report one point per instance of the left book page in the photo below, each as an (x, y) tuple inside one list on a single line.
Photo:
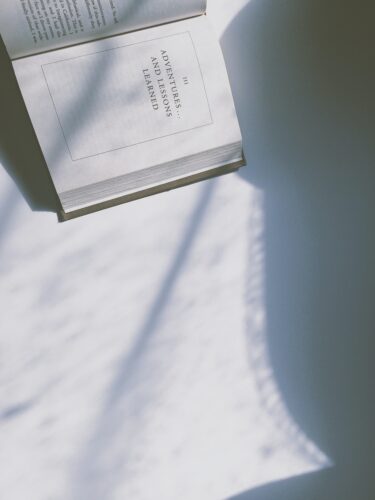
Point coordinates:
[(33, 26)]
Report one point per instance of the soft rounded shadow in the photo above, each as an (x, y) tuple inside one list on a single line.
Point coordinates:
[(302, 73)]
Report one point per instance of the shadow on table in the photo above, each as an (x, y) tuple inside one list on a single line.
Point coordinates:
[(19, 150), (303, 72)]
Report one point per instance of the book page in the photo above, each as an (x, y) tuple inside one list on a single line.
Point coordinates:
[(147, 95), (124, 104), (32, 26)]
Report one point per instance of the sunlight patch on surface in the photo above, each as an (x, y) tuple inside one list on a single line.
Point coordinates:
[(195, 412), (190, 421)]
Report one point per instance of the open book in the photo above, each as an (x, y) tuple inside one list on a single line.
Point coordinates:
[(127, 97)]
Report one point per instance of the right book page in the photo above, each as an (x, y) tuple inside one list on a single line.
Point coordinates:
[(130, 103)]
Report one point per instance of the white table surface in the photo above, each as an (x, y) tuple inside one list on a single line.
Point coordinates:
[(133, 355)]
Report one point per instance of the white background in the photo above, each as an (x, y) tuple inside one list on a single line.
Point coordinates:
[(134, 359)]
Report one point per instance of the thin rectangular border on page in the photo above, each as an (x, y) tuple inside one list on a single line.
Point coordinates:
[(141, 142)]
